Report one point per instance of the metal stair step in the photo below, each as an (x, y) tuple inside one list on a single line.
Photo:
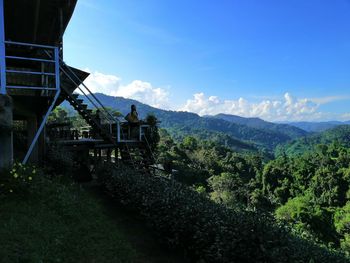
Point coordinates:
[(88, 116)]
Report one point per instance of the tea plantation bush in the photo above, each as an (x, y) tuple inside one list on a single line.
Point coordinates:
[(206, 230)]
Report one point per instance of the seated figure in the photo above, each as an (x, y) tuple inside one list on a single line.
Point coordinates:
[(133, 119), (133, 116)]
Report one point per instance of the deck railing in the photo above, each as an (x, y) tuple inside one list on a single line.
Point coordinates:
[(27, 65), (115, 125)]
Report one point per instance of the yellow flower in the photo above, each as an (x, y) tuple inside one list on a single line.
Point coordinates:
[(34, 171), (11, 190), (15, 175), (30, 178)]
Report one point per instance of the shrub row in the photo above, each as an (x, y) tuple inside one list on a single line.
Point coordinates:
[(207, 231)]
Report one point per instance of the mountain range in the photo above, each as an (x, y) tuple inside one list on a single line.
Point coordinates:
[(239, 133), (317, 126), (289, 130), (251, 134)]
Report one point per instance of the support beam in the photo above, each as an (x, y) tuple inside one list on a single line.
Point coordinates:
[(41, 128), (58, 91), (2, 50)]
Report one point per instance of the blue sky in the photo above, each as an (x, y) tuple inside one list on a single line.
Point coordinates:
[(278, 60)]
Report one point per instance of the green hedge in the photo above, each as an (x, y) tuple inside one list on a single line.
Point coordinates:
[(206, 230)]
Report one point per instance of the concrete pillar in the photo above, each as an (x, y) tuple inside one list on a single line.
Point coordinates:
[(6, 138)]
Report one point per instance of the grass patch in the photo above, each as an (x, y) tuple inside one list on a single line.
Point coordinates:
[(58, 221)]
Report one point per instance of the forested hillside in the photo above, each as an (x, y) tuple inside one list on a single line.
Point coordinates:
[(340, 135), (307, 193), (288, 130)]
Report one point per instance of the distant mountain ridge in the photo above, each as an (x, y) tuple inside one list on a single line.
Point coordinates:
[(243, 133), (289, 130), (339, 134), (317, 126)]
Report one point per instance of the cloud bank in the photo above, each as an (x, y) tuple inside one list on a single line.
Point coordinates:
[(144, 92), (289, 108), (137, 89), (286, 108)]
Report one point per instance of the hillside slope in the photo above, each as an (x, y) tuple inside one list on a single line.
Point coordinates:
[(339, 134), (289, 130)]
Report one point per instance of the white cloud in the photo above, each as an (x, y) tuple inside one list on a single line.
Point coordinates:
[(144, 92), (102, 83), (328, 99), (286, 109), (137, 89), (345, 117)]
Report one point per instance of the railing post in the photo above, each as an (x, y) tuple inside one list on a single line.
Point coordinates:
[(57, 68), (118, 131), (2, 50)]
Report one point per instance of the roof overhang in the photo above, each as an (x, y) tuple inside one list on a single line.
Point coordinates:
[(66, 80), (37, 21)]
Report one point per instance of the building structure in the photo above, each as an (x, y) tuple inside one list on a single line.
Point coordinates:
[(34, 79)]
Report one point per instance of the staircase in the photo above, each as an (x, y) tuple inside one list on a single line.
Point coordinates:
[(89, 117), (138, 155)]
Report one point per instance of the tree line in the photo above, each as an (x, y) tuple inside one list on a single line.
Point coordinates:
[(309, 192)]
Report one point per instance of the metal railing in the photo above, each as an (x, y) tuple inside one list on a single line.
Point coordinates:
[(41, 67), (25, 72), (106, 115), (124, 130)]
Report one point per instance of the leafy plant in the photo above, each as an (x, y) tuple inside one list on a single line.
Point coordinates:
[(20, 179)]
